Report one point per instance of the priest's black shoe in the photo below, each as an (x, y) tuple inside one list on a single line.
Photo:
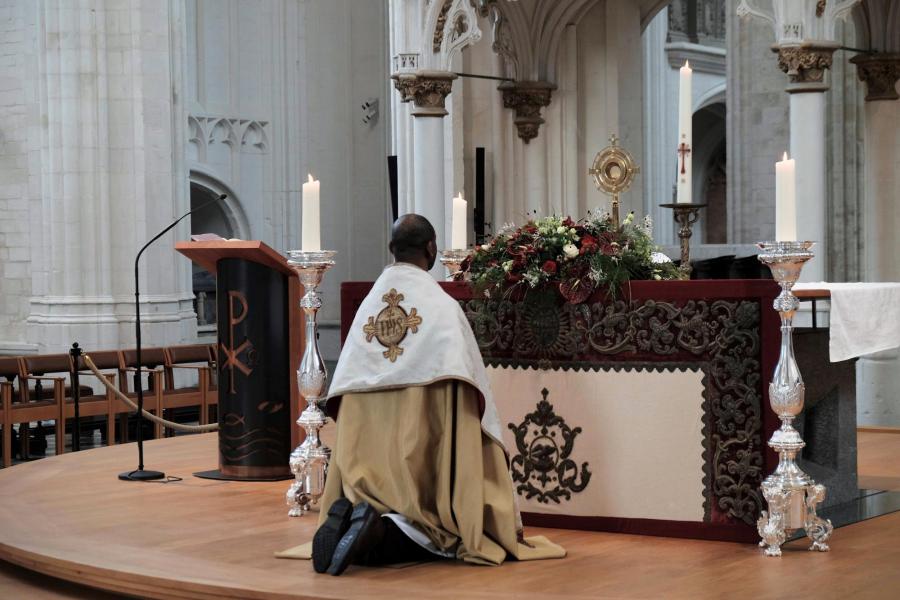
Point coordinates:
[(366, 533), (330, 533)]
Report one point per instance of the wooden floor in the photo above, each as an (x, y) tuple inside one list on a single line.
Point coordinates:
[(70, 517)]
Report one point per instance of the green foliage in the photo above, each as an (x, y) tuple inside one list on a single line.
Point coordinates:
[(574, 257)]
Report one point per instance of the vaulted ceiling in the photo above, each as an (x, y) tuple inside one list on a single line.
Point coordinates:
[(527, 33)]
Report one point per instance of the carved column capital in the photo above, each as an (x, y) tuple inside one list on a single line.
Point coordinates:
[(527, 98), (880, 73), (426, 89), (805, 65)]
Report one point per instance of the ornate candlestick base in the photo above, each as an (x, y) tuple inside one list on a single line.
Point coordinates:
[(791, 494), (686, 214), (309, 460), (452, 259)]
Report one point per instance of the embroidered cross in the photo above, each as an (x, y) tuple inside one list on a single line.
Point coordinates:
[(391, 325)]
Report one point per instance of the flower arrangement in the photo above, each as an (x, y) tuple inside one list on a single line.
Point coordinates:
[(574, 257)]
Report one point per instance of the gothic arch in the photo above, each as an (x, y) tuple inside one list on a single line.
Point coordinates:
[(714, 95), (231, 206), (529, 39)]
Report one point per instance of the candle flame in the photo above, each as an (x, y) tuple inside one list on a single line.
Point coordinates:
[(687, 64), (310, 177), (785, 156)]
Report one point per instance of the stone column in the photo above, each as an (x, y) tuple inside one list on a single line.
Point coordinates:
[(527, 98), (428, 91), (110, 165), (878, 375), (806, 36), (806, 65)]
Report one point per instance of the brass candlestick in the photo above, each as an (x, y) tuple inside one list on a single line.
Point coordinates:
[(686, 214)]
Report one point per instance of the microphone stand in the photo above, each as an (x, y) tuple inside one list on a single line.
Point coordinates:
[(141, 474)]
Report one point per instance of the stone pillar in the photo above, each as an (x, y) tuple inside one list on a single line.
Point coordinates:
[(806, 67), (878, 375), (428, 91), (110, 120), (527, 98), (806, 36)]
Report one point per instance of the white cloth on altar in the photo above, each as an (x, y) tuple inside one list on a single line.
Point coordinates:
[(864, 317), (442, 347)]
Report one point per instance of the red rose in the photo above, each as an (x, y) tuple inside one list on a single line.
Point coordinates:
[(549, 267), (588, 244), (513, 278)]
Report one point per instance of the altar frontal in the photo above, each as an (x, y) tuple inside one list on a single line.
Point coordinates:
[(641, 413)]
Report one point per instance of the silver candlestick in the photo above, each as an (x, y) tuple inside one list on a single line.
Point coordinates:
[(791, 494), (453, 259), (309, 460)]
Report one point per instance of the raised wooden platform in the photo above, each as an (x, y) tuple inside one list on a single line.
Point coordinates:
[(70, 517)]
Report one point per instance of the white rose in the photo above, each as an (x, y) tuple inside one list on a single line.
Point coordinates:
[(507, 265), (570, 250), (560, 229)]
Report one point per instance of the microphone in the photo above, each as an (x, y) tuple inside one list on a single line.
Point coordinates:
[(141, 474)]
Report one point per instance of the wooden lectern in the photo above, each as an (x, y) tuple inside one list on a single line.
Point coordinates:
[(260, 341)]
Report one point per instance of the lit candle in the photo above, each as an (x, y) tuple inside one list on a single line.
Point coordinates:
[(310, 240), (785, 200), (685, 134), (458, 224)]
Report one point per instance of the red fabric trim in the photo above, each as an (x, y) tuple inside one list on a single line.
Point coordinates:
[(678, 529)]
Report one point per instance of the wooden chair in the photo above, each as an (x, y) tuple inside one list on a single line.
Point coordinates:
[(154, 360), (196, 358), (6, 392), (106, 402), (9, 375), (35, 368), (38, 404)]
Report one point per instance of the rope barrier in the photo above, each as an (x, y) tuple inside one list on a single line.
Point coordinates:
[(147, 415)]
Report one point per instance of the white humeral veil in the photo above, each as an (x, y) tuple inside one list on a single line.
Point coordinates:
[(443, 346)]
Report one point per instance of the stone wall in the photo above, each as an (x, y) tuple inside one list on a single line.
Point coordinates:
[(17, 59), (275, 91), (109, 108), (756, 127)]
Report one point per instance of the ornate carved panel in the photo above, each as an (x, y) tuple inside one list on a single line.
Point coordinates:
[(245, 135), (722, 337)]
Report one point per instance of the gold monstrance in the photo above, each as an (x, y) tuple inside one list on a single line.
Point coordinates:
[(613, 172)]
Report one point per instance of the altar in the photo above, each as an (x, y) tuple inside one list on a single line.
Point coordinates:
[(647, 413)]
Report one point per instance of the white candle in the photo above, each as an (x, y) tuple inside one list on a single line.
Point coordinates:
[(785, 200), (458, 236), (310, 240), (685, 135)]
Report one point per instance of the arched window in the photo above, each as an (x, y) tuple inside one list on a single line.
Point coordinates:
[(709, 172), (225, 219)]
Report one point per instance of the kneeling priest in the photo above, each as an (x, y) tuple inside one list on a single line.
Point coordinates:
[(418, 470)]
